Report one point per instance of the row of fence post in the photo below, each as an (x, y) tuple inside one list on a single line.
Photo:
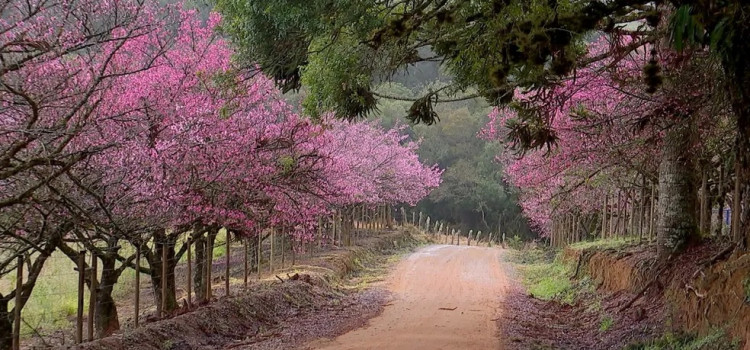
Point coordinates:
[(436, 228), (364, 219)]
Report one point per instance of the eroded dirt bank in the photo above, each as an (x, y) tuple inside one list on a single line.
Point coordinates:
[(443, 297), (628, 297), (704, 289)]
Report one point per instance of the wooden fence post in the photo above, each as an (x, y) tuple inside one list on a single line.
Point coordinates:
[(333, 228), (209, 266), (651, 213), (705, 219), (137, 296), (81, 283), (16, 341), (294, 254), (260, 240), (228, 261), (319, 238), (270, 260), (189, 274), (92, 297), (736, 204), (247, 252), (163, 303), (468, 243), (283, 245), (604, 216)]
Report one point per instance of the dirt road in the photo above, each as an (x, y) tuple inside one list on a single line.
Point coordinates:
[(444, 297)]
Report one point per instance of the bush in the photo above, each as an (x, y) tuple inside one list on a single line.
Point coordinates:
[(515, 242)]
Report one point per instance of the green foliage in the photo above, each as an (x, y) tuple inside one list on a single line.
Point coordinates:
[(339, 48), (286, 164), (715, 340), (338, 77), (606, 323), (515, 242), (686, 30)]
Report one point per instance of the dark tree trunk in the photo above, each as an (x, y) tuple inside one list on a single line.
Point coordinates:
[(106, 309), (163, 241), (6, 324), (677, 191), (201, 237), (347, 225), (705, 203), (253, 253), (736, 69), (720, 203), (199, 273)]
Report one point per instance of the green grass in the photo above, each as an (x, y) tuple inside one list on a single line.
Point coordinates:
[(54, 301), (606, 323), (605, 243), (546, 276), (715, 340)]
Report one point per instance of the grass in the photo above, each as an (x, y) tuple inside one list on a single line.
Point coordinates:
[(54, 302), (606, 323), (610, 243), (546, 276), (714, 340)]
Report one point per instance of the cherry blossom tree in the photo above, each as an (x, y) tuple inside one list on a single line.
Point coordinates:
[(140, 128), (59, 59), (612, 136)]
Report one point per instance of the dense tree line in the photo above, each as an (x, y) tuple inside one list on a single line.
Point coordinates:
[(126, 122)]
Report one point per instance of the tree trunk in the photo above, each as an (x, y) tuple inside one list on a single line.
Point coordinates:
[(604, 216), (201, 236), (106, 309), (612, 216), (720, 203), (677, 192), (199, 272), (737, 71), (6, 324), (705, 211), (163, 241), (347, 225)]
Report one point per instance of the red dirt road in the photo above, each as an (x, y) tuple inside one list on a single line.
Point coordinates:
[(444, 297)]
